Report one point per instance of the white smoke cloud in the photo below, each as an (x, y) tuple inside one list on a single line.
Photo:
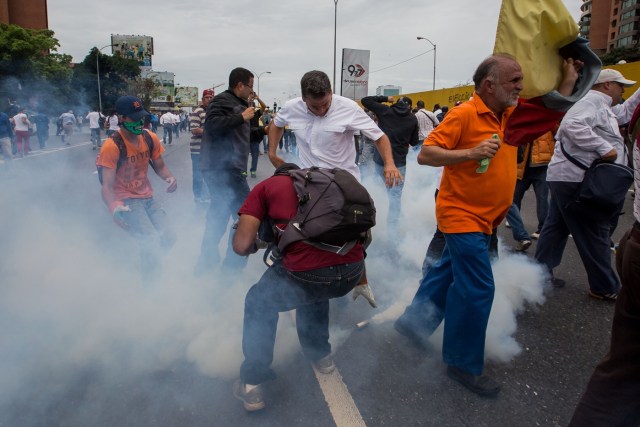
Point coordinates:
[(72, 296)]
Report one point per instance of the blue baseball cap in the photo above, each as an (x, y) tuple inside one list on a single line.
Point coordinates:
[(131, 106)]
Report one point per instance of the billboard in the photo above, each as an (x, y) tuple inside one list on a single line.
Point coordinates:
[(139, 48), (164, 83), (187, 96), (355, 73)]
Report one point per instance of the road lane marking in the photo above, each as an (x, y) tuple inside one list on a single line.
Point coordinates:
[(341, 405)]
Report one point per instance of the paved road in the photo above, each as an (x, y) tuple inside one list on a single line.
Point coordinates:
[(85, 343)]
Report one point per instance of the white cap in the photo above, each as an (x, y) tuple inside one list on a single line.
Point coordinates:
[(611, 75)]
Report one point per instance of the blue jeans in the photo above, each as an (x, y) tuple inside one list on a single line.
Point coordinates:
[(265, 144), (200, 191), (517, 226), (255, 155), (148, 224), (228, 190), (281, 290), (459, 288), (395, 199)]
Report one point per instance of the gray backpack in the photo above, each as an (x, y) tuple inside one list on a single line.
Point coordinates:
[(334, 209)]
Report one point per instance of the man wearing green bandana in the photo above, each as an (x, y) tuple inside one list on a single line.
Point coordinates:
[(126, 190)]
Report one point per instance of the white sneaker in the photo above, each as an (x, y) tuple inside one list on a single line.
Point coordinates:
[(506, 224), (535, 235)]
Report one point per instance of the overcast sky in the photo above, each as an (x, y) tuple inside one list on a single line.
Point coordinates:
[(201, 41)]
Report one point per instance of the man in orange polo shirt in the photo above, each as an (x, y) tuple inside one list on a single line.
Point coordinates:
[(472, 201)]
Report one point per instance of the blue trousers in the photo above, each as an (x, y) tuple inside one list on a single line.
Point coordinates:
[(255, 155), (281, 290), (459, 289), (395, 199), (200, 191)]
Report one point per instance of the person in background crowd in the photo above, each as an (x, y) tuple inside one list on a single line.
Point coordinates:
[(427, 121), (68, 122), (112, 123), (6, 134), (166, 121), (401, 127), (257, 133), (41, 121), (196, 125), (266, 119), (94, 125), (22, 125), (154, 122)]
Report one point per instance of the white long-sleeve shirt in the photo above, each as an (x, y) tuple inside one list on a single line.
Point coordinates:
[(589, 130)]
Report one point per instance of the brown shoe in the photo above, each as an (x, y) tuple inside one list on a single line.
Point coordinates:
[(252, 399)]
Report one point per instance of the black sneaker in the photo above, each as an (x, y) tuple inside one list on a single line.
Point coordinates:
[(252, 399), (479, 384), (557, 283)]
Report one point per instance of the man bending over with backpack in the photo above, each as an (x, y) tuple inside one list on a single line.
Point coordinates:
[(123, 163), (305, 277)]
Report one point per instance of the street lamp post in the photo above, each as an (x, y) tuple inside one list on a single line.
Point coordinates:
[(434, 59), (264, 72), (98, 74), (335, 30)]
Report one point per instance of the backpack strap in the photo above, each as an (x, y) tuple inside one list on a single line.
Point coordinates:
[(571, 158), (122, 147)]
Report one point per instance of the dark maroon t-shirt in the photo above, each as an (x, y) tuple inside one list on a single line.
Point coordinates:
[(276, 198)]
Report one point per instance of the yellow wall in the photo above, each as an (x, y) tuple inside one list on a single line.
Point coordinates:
[(443, 97), (449, 96)]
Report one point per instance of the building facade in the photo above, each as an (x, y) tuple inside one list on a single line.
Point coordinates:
[(30, 14), (610, 24)]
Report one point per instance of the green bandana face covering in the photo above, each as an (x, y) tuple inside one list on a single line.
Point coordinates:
[(134, 127)]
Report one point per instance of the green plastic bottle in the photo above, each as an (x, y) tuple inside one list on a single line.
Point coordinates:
[(483, 164)]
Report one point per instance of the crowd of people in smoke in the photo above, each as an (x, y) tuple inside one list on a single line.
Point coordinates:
[(484, 175)]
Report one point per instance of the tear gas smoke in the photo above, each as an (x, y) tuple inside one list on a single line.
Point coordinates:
[(72, 297)]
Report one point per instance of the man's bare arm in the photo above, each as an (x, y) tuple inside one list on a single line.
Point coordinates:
[(275, 134)]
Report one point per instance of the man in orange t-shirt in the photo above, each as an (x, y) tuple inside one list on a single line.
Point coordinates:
[(472, 201), (126, 190)]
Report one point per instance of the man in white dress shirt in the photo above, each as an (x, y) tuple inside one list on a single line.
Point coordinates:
[(589, 131)]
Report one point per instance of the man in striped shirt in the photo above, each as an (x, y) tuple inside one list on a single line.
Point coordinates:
[(196, 125)]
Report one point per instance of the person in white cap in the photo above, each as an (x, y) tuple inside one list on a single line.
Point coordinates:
[(589, 131)]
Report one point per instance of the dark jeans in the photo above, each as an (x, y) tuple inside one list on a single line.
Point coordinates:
[(281, 290), (168, 133), (228, 189), (536, 176), (612, 397), (200, 191), (591, 234), (255, 155)]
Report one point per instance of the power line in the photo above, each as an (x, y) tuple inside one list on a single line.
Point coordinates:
[(406, 60)]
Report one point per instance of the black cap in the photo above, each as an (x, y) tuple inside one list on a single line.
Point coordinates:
[(131, 106)]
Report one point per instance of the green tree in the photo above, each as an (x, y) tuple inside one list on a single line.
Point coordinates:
[(629, 54), (116, 75), (30, 66)]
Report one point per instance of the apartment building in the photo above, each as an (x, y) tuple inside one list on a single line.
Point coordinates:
[(610, 24)]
